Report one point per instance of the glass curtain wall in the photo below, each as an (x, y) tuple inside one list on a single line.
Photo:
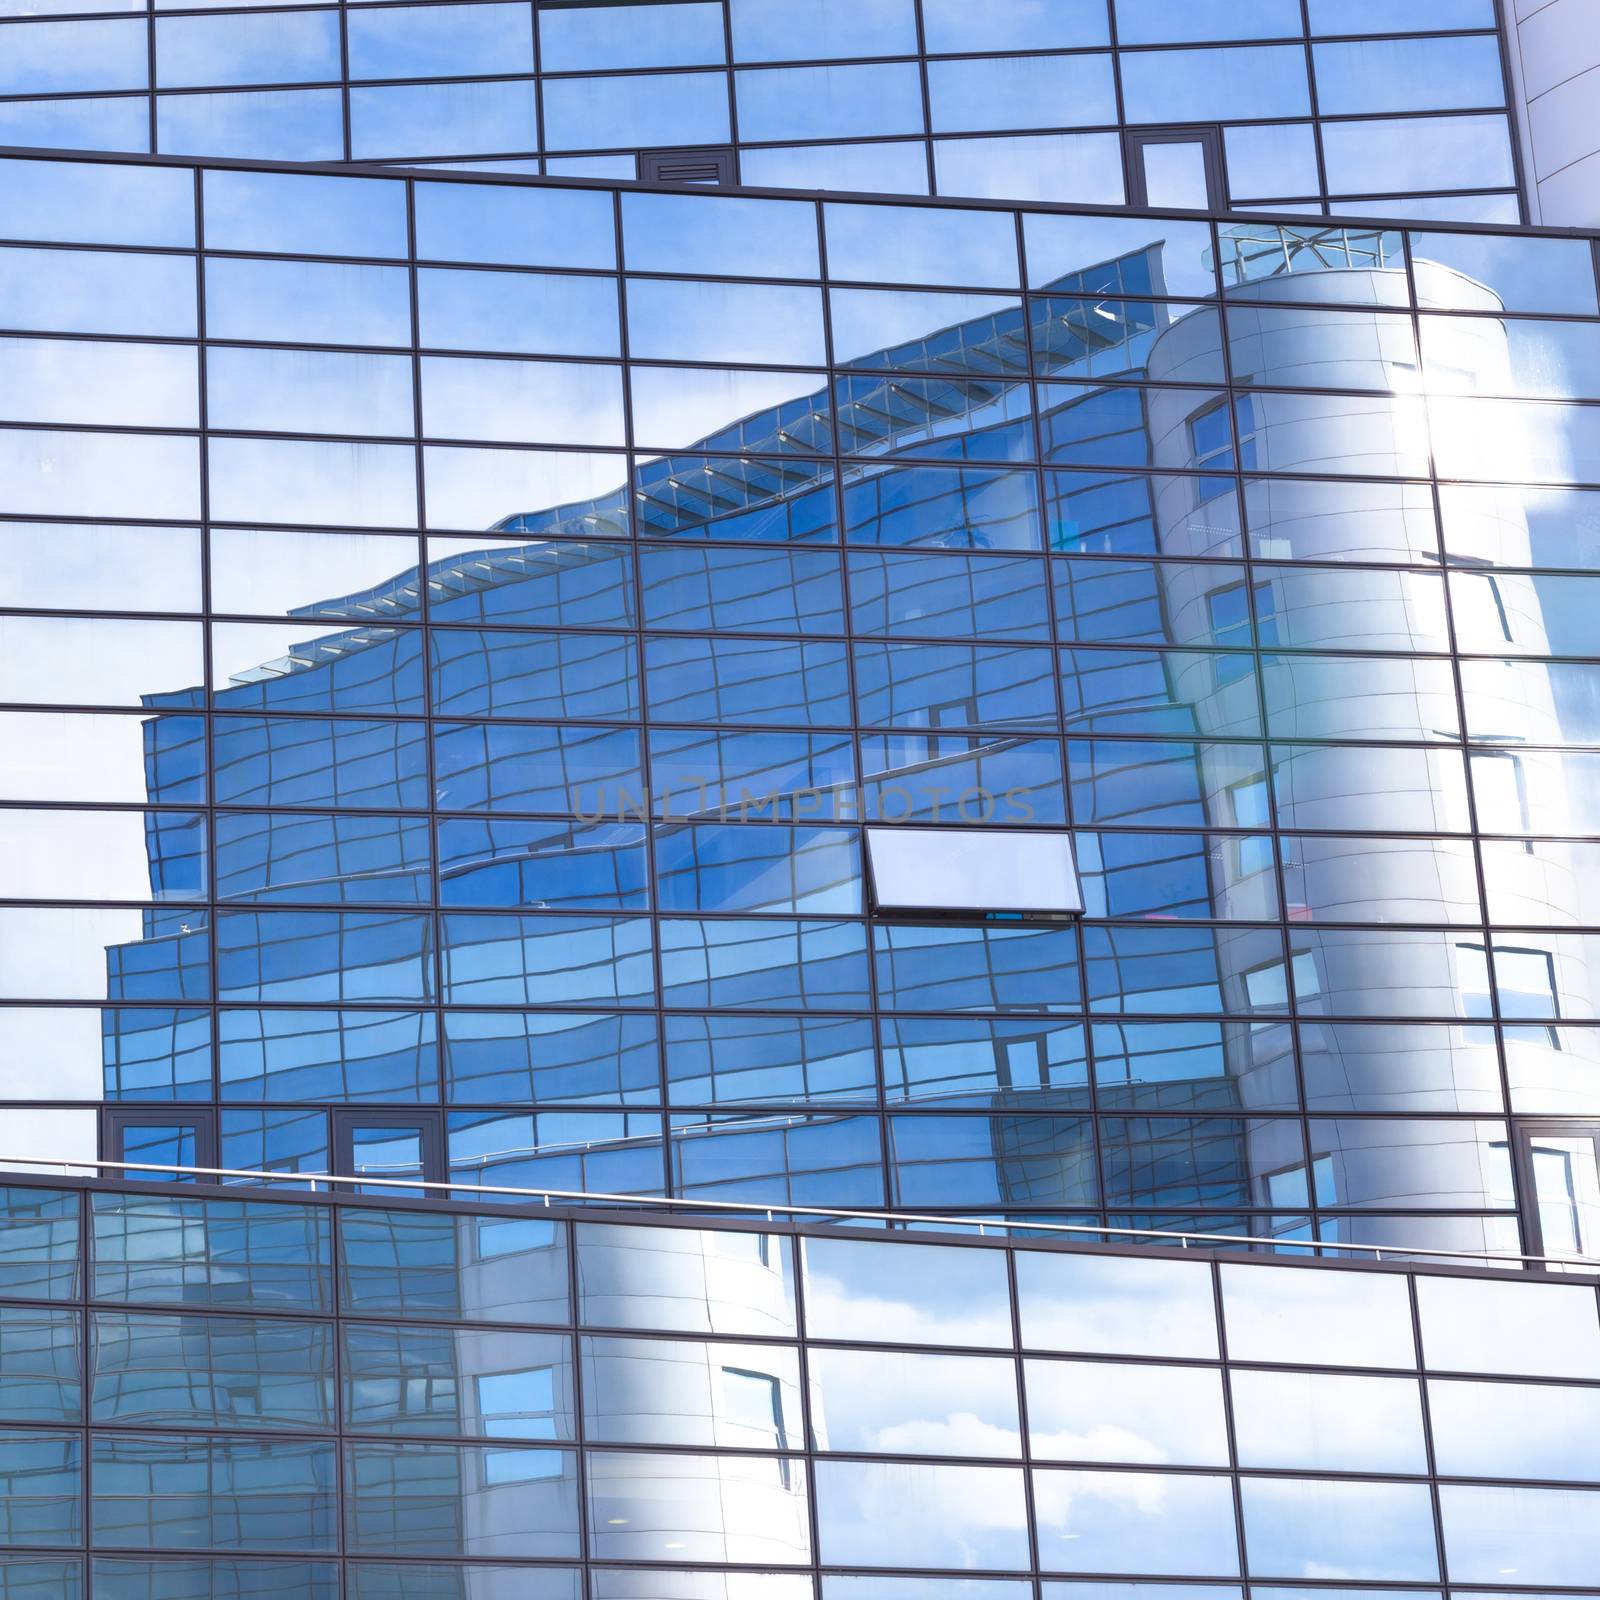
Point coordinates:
[(457, 631), (207, 1397), (1369, 108)]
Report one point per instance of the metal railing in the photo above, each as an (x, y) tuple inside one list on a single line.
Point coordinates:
[(1282, 1244)]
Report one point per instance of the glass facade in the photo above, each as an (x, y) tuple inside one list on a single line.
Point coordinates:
[(227, 1397), (1378, 109), (457, 633)]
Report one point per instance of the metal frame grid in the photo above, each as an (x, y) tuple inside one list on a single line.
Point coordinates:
[(569, 158), (1094, 1122), (194, 1214)]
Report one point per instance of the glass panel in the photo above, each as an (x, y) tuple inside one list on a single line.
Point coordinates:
[(889, 1401), (1038, 91), (769, 30), (927, 1294), (451, 1381), (1175, 174), (911, 1515), (1211, 85), (1303, 1527), (1515, 1430), (236, 1372), (829, 102), (1532, 1536), (1332, 1319), (1149, 1522), (1107, 1411), (1408, 75), (938, 247), (1537, 1329), (579, 38), (667, 108), (691, 1280), (1115, 1305), (275, 47), (1325, 1423), (215, 1493), (296, 212), (1487, 272), (460, 1500), (688, 1392)]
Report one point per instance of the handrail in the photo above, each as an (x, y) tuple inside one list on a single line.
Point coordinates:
[(771, 1212)]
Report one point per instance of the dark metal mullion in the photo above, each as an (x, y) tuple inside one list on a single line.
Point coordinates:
[(919, 22), (1316, 114), (854, 736), (1522, 1201), (1225, 1384), (665, 1144), (1274, 833), (1044, 481), (440, 1140)]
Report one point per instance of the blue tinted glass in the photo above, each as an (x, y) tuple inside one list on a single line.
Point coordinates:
[(44, 1478), (1209, 85), (672, 108), (281, 47), (419, 119), (718, 1060), (576, 1151), (739, 867), (835, 1161), (732, 591), (952, 596), (545, 960), (990, 1161), (828, 102), (1173, 970), (211, 1371), (549, 584), (977, 969), (440, 41), (292, 212), (273, 1141), (39, 1243), (41, 1379), (214, 1493), (546, 865), (687, 33), (477, 672), (956, 26), (1408, 75), (83, 203), (775, 776), (953, 685), (1161, 692), (514, 226), (156, 1053), (747, 680), (324, 955), (285, 1053), (974, 508), (284, 761), (701, 497), (329, 858), (233, 1253), (962, 778), (770, 963), (263, 124), (490, 766), (720, 234), (575, 1057), (46, 57), (770, 30), (1037, 91), (967, 1060)]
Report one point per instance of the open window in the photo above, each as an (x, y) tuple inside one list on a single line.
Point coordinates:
[(973, 872), (1177, 169)]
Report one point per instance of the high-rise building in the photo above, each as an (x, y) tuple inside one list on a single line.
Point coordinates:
[(799, 801)]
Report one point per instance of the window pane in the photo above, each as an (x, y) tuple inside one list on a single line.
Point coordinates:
[(1212, 85), (856, 1289), (1150, 1522), (865, 1400), (1548, 1536), (1105, 1411), (1326, 1423), (1408, 75), (837, 102), (1544, 1330), (884, 1514), (1300, 1527), (1334, 1319), (1115, 1305)]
